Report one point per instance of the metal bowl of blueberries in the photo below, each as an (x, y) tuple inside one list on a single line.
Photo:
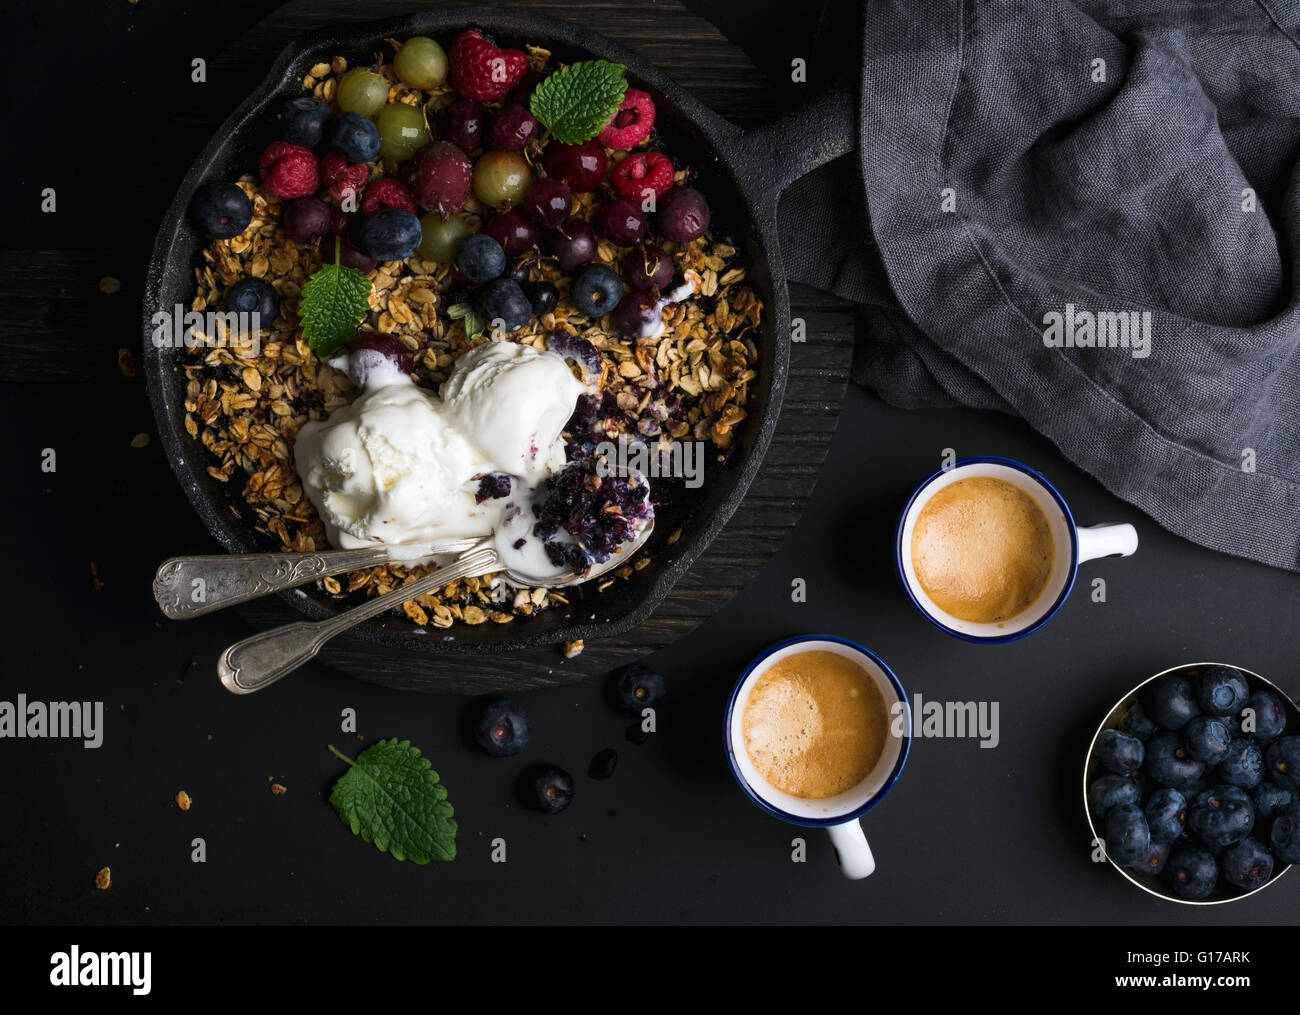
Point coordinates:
[(1193, 784)]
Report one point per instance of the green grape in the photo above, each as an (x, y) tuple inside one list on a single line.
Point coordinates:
[(401, 131), (362, 91), (421, 63), (501, 177), (439, 239)]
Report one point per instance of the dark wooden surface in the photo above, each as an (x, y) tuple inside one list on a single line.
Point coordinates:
[(48, 340)]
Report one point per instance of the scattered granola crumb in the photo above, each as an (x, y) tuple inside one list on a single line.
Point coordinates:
[(126, 362), (674, 536), (104, 879), (140, 440), (183, 800), (109, 285), (278, 790), (95, 581), (573, 649)]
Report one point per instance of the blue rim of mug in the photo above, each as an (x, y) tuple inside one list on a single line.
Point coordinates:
[(1066, 589), (754, 795)]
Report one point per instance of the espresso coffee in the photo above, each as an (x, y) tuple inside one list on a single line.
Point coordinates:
[(815, 724), (982, 550)]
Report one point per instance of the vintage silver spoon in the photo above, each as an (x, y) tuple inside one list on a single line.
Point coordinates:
[(188, 587), (264, 658)]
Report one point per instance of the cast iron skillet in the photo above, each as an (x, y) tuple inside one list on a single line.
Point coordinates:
[(741, 172)]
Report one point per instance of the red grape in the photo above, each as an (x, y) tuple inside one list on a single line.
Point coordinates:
[(548, 202), (622, 221), (581, 166), (648, 268), (573, 243)]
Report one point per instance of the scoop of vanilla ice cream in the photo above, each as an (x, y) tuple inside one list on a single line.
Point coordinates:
[(391, 468), (513, 400)]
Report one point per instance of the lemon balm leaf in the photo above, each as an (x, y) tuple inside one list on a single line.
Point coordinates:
[(333, 302), (392, 798), (576, 102)]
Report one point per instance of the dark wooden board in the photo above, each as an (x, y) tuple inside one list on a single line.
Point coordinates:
[(692, 52)]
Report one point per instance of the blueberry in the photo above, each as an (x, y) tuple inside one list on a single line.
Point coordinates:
[(1269, 800), (221, 210), (1221, 815), (543, 296), (492, 486), (1112, 791), (1170, 702), (1284, 837), (1247, 864), (480, 258), (1136, 724), (389, 234), (1192, 872), (1269, 715), (1283, 763), (1128, 839), (1156, 858), (500, 727), (355, 137), (1166, 811), (504, 305), (636, 687), (1221, 690), (547, 788), (302, 120), (1169, 764), (1206, 739), (596, 290), (1244, 764), (1118, 752), (253, 296)]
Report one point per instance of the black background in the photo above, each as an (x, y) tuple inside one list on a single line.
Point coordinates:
[(968, 836)]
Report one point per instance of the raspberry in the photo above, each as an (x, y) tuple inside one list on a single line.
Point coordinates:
[(480, 70), (387, 193), (641, 172), (289, 170), (340, 179), (631, 124)]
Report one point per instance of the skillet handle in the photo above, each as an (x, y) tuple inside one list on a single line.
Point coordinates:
[(796, 143)]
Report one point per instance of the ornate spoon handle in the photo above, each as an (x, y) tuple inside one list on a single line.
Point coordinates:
[(261, 660), (187, 587)]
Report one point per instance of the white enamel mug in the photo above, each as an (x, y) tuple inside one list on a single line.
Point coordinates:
[(1072, 546), (838, 814)]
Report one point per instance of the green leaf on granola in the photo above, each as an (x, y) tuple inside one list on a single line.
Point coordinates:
[(392, 798), (576, 102), (475, 323), (333, 302)]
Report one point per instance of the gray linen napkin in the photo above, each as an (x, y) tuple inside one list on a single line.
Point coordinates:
[(1109, 172)]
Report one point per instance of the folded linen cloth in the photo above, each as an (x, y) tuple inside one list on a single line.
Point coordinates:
[(1086, 214)]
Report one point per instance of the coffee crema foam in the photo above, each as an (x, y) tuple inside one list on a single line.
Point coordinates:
[(814, 724), (982, 550)]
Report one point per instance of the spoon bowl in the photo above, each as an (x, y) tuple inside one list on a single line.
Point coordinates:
[(262, 659)]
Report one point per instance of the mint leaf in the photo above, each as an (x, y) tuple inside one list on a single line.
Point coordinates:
[(576, 102), (333, 302), (393, 799), (474, 322)]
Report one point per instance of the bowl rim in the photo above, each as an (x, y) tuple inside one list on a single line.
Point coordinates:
[(717, 137), (1293, 707)]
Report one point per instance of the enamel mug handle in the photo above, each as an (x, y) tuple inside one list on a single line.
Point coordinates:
[(851, 847), (1107, 541)]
